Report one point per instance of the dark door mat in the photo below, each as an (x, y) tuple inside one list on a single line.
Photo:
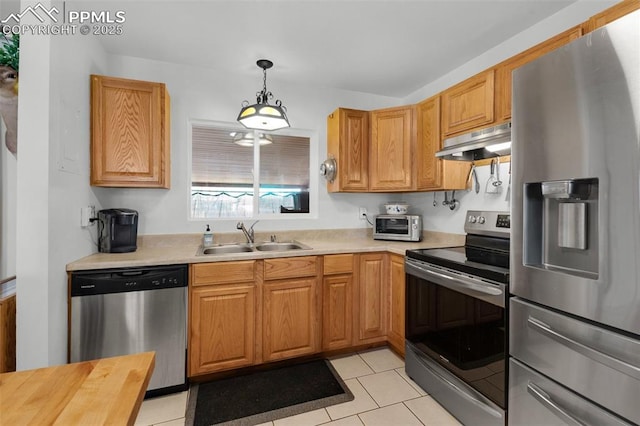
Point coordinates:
[(266, 395)]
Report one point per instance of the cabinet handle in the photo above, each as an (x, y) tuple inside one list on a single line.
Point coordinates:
[(583, 349), (544, 398)]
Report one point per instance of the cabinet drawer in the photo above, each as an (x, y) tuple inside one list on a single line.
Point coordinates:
[(604, 365), (536, 400), (223, 272), (338, 264), (290, 267)]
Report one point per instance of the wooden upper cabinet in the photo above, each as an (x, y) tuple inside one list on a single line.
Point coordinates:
[(129, 133), (468, 104), (434, 173), (391, 166), (504, 69), (348, 143), (611, 14)]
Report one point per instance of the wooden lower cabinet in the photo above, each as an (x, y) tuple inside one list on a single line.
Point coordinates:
[(243, 313), (371, 318), (222, 328), (397, 302), (337, 301), (222, 316), (290, 321), (291, 306)]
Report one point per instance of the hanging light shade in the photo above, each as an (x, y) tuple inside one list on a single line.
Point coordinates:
[(262, 115), (246, 139)]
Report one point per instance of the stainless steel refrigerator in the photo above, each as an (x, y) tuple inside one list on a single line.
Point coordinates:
[(574, 324)]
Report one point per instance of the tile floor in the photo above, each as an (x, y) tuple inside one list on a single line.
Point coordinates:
[(384, 395)]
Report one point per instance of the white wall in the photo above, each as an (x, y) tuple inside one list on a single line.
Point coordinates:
[(53, 184)]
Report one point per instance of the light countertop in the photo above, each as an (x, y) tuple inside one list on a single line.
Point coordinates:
[(182, 248)]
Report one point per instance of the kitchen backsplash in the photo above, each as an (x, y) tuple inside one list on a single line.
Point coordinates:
[(441, 218)]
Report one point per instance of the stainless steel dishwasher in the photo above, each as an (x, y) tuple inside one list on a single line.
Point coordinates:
[(129, 310)]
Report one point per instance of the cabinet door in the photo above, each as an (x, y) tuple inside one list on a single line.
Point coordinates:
[(397, 297), (222, 328), (129, 133), (504, 69), (372, 298), (434, 173), (348, 143), (290, 321), (468, 104), (392, 134), (337, 311)]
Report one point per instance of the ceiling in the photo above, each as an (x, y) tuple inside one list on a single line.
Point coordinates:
[(391, 47)]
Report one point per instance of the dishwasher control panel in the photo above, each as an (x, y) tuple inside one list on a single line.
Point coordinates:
[(105, 281)]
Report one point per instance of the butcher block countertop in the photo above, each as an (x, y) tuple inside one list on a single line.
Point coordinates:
[(181, 248), (100, 392)]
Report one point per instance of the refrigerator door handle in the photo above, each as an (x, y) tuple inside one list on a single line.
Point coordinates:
[(544, 398), (583, 349)]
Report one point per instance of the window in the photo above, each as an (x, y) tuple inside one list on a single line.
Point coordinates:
[(228, 168)]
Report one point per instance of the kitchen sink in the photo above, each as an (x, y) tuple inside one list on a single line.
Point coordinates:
[(232, 248), (281, 246), (226, 249)]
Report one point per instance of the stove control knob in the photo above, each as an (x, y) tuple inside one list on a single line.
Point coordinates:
[(481, 220), (472, 219)]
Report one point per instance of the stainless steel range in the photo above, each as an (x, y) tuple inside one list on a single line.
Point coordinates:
[(456, 337)]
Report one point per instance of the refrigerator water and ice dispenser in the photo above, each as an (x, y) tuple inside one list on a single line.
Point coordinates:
[(561, 226)]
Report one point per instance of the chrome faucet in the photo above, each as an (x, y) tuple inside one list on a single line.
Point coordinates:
[(247, 233)]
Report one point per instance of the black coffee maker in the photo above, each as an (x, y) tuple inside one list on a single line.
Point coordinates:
[(117, 230)]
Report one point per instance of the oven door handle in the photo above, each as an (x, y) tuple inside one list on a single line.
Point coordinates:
[(458, 280), (475, 401)]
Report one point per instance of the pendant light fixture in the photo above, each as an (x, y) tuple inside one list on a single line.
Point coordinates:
[(247, 139), (262, 115)]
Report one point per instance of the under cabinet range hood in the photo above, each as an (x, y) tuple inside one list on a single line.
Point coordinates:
[(486, 143)]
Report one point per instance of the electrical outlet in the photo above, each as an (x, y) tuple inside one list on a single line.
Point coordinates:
[(362, 213), (87, 213)]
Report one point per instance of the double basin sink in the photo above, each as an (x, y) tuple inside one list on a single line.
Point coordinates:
[(251, 248)]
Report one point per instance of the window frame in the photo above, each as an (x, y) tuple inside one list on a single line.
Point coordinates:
[(313, 177)]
